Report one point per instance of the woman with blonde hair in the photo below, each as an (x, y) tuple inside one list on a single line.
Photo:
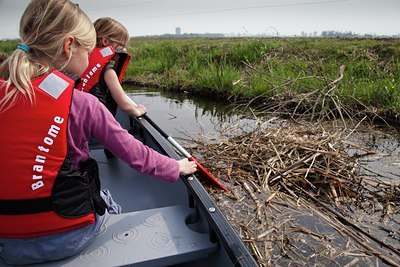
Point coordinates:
[(51, 205)]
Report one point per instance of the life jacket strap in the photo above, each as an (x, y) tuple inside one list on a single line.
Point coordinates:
[(25, 206)]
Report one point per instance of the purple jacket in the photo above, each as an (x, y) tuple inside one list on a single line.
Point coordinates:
[(88, 117)]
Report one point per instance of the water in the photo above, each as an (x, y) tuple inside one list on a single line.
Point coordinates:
[(385, 163), (178, 116), (187, 117)]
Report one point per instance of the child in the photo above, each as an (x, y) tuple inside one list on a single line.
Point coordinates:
[(107, 64), (103, 78), (51, 206)]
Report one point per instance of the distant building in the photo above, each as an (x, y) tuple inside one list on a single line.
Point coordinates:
[(178, 31)]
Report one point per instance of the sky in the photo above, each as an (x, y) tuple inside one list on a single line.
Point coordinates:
[(232, 17)]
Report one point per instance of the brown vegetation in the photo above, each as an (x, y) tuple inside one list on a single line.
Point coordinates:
[(297, 197)]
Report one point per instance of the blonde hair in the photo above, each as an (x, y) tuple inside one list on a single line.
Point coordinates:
[(108, 27), (44, 26)]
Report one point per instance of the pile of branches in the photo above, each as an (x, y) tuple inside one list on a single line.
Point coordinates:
[(292, 157), (282, 175)]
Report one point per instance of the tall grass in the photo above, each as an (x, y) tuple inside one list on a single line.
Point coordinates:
[(263, 68)]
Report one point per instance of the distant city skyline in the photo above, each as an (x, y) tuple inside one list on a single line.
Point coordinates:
[(232, 17)]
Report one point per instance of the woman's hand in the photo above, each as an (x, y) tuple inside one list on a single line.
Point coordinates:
[(186, 167)]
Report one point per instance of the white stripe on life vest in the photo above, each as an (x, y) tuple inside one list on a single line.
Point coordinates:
[(53, 85), (106, 51)]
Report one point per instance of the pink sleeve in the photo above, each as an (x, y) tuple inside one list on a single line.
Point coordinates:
[(88, 117)]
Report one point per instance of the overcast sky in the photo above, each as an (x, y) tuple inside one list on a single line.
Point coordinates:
[(266, 17)]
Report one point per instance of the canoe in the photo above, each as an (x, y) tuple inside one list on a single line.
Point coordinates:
[(162, 224)]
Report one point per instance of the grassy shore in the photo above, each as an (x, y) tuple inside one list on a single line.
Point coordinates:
[(309, 75), (339, 74)]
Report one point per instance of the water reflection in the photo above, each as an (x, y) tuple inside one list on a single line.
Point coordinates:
[(182, 116), (385, 162)]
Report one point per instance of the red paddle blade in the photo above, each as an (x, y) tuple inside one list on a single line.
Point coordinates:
[(209, 175)]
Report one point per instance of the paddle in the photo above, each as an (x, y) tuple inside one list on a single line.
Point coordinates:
[(182, 150)]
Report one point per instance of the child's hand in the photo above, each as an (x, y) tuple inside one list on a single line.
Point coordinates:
[(186, 167), (139, 110)]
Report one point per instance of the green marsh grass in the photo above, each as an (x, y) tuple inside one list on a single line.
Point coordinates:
[(262, 68)]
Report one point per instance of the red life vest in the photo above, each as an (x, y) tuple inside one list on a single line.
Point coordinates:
[(32, 158), (98, 59)]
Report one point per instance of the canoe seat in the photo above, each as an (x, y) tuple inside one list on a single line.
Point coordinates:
[(154, 237)]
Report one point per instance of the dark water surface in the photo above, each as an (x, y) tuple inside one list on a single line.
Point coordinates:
[(184, 117), (385, 164)]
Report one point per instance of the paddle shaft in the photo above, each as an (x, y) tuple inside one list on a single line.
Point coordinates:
[(181, 149)]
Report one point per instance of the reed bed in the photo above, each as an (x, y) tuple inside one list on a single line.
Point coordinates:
[(297, 197), (360, 73)]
